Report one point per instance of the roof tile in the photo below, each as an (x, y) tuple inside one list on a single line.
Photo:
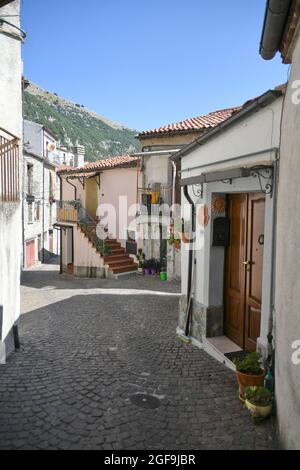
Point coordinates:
[(122, 161), (199, 123)]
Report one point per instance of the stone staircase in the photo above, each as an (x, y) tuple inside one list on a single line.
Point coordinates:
[(114, 255)]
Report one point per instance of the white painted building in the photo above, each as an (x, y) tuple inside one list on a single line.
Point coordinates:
[(41, 191), (161, 185), (282, 33), (229, 177), (11, 39), (72, 157)]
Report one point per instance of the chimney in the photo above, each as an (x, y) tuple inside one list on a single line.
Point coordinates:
[(79, 154)]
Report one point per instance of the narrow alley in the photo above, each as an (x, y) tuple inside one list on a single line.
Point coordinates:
[(100, 367)]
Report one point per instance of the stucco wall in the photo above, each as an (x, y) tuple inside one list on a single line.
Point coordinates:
[(169, 140), (41, 193), (116, 184), (287, 312), (10, 214), (255, 133)]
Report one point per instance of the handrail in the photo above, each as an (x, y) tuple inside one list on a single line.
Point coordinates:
[(9, 133)]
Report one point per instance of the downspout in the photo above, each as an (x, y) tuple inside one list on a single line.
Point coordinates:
[(61, 233), (190, 263), (43, 223), (75, 188), (173, 212), (270, 358)]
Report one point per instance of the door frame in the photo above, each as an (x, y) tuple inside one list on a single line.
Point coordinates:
[(244, 341)]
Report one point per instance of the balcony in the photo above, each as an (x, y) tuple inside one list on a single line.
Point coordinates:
[(9, 167), (68, 211)]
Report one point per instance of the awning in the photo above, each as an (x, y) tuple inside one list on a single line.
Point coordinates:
[(263, 172), (81, 175)]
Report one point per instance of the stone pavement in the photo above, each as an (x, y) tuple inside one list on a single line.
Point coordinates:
[(89, 346)]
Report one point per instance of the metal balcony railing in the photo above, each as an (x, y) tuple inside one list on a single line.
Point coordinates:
[(67, 211), (73, 211), (9, 167)]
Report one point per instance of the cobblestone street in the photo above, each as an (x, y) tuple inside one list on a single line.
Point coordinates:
[(89, 346)]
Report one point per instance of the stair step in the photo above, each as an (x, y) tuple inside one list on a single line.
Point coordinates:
[(125, 268), (113, 245), (126, 261), (117, 251), (117, 257)]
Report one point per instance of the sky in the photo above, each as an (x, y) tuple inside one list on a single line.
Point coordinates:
[(145, 63)]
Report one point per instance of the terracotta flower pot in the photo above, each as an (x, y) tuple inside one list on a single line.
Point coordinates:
[(249, 380)]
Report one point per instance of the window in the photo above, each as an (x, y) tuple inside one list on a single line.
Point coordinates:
[(51, 195), (9, 167), (50, 214), (29, 179), (47, 148), (38, 211), (30, 214)]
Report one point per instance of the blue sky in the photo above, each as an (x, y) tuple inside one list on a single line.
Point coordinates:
[(144, 63)]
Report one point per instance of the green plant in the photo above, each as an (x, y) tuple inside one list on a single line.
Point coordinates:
[(76, 204), (141, 258), (70, 123), (258, 396), (103, 248), (172, 239), (251, 365)]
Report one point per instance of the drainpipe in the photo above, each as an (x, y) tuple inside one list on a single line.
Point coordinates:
[(43, 223), (190, 263), (275, 20), (172, 203), (270, 359), (75, 188), (60, 231)]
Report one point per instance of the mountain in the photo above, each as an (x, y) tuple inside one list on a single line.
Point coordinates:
[(72, 124)]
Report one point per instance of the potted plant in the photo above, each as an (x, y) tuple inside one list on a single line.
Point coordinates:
[(147, 267), (249, 372), (259, 401), (153, 266), (141, 259), (103, 248), (173, 240)]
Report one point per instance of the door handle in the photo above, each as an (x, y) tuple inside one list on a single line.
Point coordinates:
[(248, 264)]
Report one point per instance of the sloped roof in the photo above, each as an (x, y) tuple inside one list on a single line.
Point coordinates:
[(207, 121), (123, 161)]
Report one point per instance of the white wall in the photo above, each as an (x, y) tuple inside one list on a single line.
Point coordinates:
[(257, 132), (158, 169), (287, 310), (116, 183), (10, 214)]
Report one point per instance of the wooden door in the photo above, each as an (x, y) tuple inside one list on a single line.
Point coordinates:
[(40, 247), (30, 254), (254, 270), (235, 270), (244, 268), (51, 242)]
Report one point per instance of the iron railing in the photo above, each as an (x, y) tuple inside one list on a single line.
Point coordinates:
[(73, 211), (9, 167)]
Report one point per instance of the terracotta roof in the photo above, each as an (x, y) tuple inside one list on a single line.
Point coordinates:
[(83, 175), (199, 123), (123, 161), (63, 168)]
